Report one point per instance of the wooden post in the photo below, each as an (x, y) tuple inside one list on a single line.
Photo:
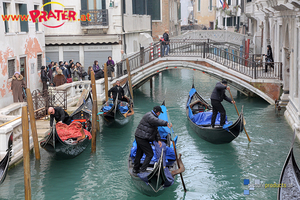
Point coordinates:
[(94, 92), (106, 82), (151, 83), (26, 151), (94, 125), (33, 125), (129, 77)]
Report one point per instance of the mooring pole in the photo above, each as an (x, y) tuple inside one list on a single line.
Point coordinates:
[(26, 151), (94, 92), (94, 125), (33, 125), (129, 77), (151, 83), (106, 82)]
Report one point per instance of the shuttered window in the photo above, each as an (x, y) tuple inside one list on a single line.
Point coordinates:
[(39, 62), (36, 7), (210, 4), (11, 68), (153, 9), (47, 8), (199, 5), (5, 13), (23, 12)]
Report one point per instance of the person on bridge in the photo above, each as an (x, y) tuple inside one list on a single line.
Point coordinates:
[(165, 44), (147, 132), (217, 97), (269, 59), (116, 90), (59, 115)]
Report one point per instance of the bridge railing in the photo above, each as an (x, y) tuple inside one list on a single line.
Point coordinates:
[(203, 48)]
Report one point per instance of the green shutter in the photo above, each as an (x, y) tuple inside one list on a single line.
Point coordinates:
[(153, 9), (103, 4), (199, 5), (210, 4), (84, 5), (37, 23), (5, 22), (47, 8), (179, 11), (23, 11)]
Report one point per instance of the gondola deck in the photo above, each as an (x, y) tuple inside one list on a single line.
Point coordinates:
[(216, 135), (62, 149), (4, 163)]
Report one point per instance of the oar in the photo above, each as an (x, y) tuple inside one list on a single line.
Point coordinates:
[(171, 130), (239, 114)]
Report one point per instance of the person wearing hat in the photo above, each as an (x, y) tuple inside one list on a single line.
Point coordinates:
[(147, 132), (217, 97), (17, 85)]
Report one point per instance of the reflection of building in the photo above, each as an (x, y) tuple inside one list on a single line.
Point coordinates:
[(22, 48), (278, 24), (205, 13), (112, 27)]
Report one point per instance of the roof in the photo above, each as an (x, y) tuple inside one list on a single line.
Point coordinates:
[(81, 39)]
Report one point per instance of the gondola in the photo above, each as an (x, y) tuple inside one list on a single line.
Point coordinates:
[(69, 149), (118, 113), (198, 109), (289, 181), (4, 163), (159, 174)]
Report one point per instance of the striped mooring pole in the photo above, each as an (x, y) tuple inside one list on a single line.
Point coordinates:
[(158, 49), (151, 51)]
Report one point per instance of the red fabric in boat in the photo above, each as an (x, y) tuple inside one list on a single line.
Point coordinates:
[(65, 131)]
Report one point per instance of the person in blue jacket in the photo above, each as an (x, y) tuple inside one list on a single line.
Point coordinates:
[(217, 97)]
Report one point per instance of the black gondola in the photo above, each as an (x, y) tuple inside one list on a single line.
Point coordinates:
[(67, 149), (111, 111), (289, 181), (157, 180), (4, 163), (217, 135)]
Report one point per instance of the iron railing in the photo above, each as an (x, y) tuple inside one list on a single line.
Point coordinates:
[(229, 57), (57, 98), (97, 17)]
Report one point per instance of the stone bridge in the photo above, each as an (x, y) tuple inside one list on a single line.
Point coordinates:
[(214, 59)]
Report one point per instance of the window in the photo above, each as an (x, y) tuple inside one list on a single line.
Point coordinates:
[(11, 68), (229, 2), (210, 4), (5, 5), (179, 11), (153, 9), (39, 62), (23, 12), (36, 7), (93, 4), (139, 7), (124, 6), (199, 5), (47, 8)]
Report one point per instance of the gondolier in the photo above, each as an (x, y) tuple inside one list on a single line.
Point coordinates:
[(59, 115), (116, 90), (147, 132), (217, 97)]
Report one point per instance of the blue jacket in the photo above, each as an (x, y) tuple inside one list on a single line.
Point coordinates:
[(219, 93), (65, 71)]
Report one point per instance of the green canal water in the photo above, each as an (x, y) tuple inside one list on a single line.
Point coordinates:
[(211, 171)]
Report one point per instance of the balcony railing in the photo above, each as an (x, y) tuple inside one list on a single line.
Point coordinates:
[(97, 17)]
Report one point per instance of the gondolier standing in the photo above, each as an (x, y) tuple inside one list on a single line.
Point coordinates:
[(117, 89), (147, 132), (217, 97), (60, 116)]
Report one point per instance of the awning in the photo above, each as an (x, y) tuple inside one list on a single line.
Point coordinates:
[(81, 39)]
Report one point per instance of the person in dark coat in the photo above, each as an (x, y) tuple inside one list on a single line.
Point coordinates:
[(17, 86), (165, 44), (217, 97), (65, 71), (110, 67), (59, 79), (269, 58), (59, 115), (99, 73), (147, 132), (44, 79), (117, 89)]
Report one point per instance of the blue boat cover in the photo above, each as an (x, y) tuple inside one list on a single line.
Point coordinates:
[(191, 93), (204, 118), (107, 108), (170, 180), (163, 130), (123, 109)]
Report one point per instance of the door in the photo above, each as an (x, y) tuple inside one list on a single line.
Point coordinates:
[(211, 25), (23, 69)]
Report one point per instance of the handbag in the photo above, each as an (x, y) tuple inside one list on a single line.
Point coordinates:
[(69, 80), (84, 74)]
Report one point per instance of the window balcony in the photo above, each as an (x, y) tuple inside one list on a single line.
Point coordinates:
[(98, 20)]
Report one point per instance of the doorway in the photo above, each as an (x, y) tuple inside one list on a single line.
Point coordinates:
[(23, 70), (211, 25)]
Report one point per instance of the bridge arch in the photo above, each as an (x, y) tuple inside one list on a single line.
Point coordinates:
[(141, 76)]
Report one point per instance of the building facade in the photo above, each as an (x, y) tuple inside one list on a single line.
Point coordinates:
[(105, 28), (205, 13), (278, 24), (22, 47)]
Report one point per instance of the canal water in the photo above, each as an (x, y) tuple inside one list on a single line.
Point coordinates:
[(212, 171)]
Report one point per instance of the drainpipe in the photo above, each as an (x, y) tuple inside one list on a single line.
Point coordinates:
[(123, 31)]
